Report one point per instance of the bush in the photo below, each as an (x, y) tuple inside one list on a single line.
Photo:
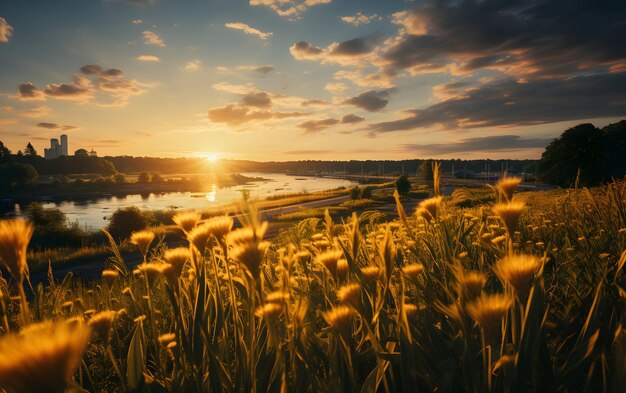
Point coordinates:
[(143, 177), (355, 193), (366, 193), (119, 178), (126, 221), (12, 175), (403, 185), (156, 178)]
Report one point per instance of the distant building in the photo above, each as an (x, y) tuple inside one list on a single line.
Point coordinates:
[(56, 149), (93, 153)]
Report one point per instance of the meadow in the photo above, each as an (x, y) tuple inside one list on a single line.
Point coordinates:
[(482, 291)]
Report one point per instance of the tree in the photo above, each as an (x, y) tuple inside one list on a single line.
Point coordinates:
[(615, 146), (580, 148), (46, 220), (119, 178), (126, 221), (30, 151), (143, 177), (426, 170), (12, 175), (355, 193), (5, 153), (81, 153), (366, 193), (156, 178), (403, 184)]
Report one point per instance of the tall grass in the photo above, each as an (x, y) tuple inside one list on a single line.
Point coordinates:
[(510, 298)]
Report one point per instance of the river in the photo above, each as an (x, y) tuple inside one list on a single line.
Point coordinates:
[(94, 214)]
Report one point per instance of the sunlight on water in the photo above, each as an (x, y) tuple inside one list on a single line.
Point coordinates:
[(210, 196)]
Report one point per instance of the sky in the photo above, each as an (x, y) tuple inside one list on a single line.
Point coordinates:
[(286, 80)]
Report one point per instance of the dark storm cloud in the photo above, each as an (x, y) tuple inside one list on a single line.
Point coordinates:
[(512, 103), (531, 38), (370, 101), (315, 126), (486, 144), (29, 92)]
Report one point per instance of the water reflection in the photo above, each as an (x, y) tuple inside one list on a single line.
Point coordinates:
[(210, 196)]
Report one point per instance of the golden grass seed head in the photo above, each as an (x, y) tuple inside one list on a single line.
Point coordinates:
[(471, 284), (250, 255), (506, 186), (342, 270), (151, 271), (413, 270), (219, 226), (371, 274), (109, 276), (350, 294), (187, 220), (329, 260), (488, 311), (199, 237), (269, 311), (171, 274), (166, 338), (510, 214), (43, 358), (142, 240), (127, 292), (277, 297), (340, 319), (67, 306), (102, 323), (410, 310), (518, 271), (429, 208), (14, 238), (177, 257)]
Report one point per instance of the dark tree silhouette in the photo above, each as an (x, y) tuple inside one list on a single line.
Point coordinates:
[(403, 184), (12, 175), (30, 150)]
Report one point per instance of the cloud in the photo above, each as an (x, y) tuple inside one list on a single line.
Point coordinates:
[(315, 126), (6, 30), (54, 126), (509, 103), (248, 30), (192, 65), (360, 19), (235, 115), (29, 92), (480, 144), (289, 8), (135, 3), (248, 88), (259, 100), (151, 38), (34, 112), (336, 88), (524, 39), (370, 101), (382, 79), (137, 21), (314, 102), (455, 89), (262, 70), (150, 58), (351, 119), (352, 52), (91, 81)]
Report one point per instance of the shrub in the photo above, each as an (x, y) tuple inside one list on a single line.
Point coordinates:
[(127, 220), (355, 193), (403, 184)]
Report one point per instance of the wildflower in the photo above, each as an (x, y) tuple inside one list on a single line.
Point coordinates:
[(177, 257), (171, 274), (340, 319), (102, 323), (488, 311), (413, 270), (510, 213), (166, 338), (43, 358), (199, 237), (248, 249), (14, 238), (187, 220), (507, 186), (471, 285), (518, 271), (109, 276), (142, 240), (428, 208), (350, 294), (329, 260)]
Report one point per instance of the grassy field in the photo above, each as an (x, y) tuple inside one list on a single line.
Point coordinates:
[(481, 291)]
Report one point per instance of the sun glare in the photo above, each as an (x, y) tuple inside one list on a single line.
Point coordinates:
[(211, 157)]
